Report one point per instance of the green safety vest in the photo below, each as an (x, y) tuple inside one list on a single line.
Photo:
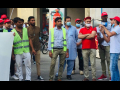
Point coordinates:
[(4, 30), (64, 37), (21, 46)]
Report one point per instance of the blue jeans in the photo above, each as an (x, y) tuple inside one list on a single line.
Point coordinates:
[(114, 66)]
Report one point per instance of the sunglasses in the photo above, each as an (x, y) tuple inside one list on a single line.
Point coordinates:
[(77, 21)]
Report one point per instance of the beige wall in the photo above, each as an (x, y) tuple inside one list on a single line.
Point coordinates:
[(76, 13), (36, 14), (24, 13), (14, 13), (87, 12)]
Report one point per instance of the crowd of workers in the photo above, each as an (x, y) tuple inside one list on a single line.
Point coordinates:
[(67, 42)]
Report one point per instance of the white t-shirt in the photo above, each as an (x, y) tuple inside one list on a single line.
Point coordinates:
[(104, 43), (115, 40)]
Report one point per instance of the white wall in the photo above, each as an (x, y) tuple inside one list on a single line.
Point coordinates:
[(112, 12)]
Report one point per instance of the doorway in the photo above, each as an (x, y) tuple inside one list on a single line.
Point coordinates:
[(3, 11)]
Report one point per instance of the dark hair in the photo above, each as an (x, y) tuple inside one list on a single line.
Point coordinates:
[(16, 19), (58, 19), (67, 17), (29, 18), (117, 22)]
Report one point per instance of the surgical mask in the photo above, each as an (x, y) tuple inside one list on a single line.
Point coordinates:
[(113, 25), (88, 25), (1, 28), (104, 23), (77, 25), (68, 23)]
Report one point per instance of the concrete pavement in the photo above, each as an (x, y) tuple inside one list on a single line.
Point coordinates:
[(45, 67)]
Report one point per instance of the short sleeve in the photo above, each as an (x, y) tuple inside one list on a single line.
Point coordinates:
[(95, 29), (117, 30), (81, 30)]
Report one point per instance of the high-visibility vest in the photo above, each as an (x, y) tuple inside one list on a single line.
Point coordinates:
[(21, 46), (64, 39), (4, 30)]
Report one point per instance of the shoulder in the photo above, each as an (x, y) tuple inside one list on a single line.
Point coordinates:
[(73, 27), (37, 27)]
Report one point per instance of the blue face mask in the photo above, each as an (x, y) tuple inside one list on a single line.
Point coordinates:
[(77, 25), (113, 25), (104, 23), (68, 23), (1, 28)]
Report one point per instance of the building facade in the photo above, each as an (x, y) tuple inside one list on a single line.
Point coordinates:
[(43, 15)]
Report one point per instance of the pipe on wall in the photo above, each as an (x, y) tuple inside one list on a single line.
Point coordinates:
[(101, 10)]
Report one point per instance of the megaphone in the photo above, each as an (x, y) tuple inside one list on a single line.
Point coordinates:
[(96, 22)]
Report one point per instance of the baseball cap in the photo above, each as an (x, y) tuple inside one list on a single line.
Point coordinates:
[(104, 14), (3, 16), (116, 18), (1, 21), (111, 18), (7, 20), (77, 20), (87, 18)]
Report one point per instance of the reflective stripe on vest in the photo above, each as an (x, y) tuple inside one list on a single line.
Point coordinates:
[(21, 45), (64, 39), (21, 41)]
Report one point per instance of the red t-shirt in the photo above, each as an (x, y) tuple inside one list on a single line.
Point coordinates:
[(88, 43)]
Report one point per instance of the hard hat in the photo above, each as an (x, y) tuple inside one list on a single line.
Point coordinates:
[(7, 20), (3, 16), (104, 14), (77, 20), (116, 18), (1, 21)]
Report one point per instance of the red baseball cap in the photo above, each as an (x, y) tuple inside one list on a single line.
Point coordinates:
[(7, 20), (3, 16), (116, 18), (104, 14), (1, 21), (111, 18), (87, 18), (77, 20)]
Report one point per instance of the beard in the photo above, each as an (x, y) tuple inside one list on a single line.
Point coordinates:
[(33, 24), (104, 20)]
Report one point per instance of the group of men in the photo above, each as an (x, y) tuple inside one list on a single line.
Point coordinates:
[(68, 42), (26, 43)]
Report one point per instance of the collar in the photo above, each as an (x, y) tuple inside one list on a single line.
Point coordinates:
[(64, 26), (57, 28)]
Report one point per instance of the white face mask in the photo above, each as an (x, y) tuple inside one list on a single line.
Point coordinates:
[(88, 25)]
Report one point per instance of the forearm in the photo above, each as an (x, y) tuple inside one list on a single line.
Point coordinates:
[(31, 45), (67, 50), (108, 32), (106, 38), (89, 37), (12, 51), (82, 36)]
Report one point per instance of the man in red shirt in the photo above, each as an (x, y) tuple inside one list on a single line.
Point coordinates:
[(87, 34)]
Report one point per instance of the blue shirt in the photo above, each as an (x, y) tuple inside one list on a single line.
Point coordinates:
[(10, 30), (58, 39), (72, 40), (80, 46)]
